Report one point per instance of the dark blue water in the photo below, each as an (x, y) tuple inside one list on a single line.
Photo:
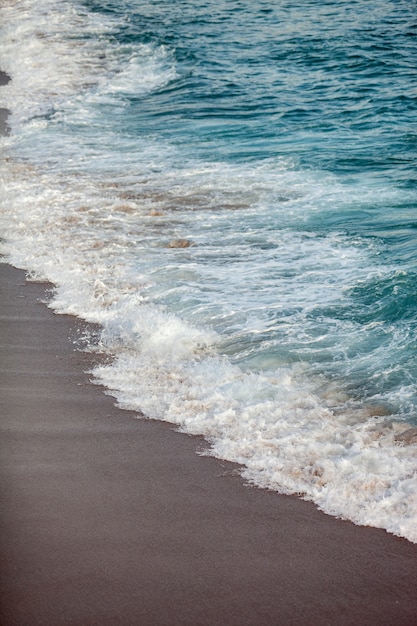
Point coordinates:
[(331, 84)]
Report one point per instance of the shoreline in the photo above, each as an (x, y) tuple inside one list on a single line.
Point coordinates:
[(110, 519)]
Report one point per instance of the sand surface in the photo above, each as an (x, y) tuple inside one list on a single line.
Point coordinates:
[(112, 520)]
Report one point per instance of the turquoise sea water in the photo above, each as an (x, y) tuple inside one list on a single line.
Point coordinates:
[(276, 142)]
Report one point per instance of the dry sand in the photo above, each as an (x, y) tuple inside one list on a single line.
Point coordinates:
[(112, 520)]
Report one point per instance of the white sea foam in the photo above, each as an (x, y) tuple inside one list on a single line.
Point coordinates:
[(201, 336), (42, 53), (55, 51)]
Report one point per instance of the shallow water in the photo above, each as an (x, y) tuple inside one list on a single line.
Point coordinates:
[(230, 190)]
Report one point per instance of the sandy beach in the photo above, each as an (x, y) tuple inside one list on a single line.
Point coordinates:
[(109, 519)]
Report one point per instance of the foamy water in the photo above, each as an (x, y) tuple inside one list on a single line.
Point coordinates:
[(254, 287)]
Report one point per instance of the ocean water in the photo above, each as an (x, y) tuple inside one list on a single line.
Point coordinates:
[(230, 190)]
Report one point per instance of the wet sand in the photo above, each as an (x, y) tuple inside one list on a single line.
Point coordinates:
[(112, 520), (4, 113), (4, 127)]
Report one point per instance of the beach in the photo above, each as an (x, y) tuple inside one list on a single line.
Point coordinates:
[(110, 519), (222, 212)]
